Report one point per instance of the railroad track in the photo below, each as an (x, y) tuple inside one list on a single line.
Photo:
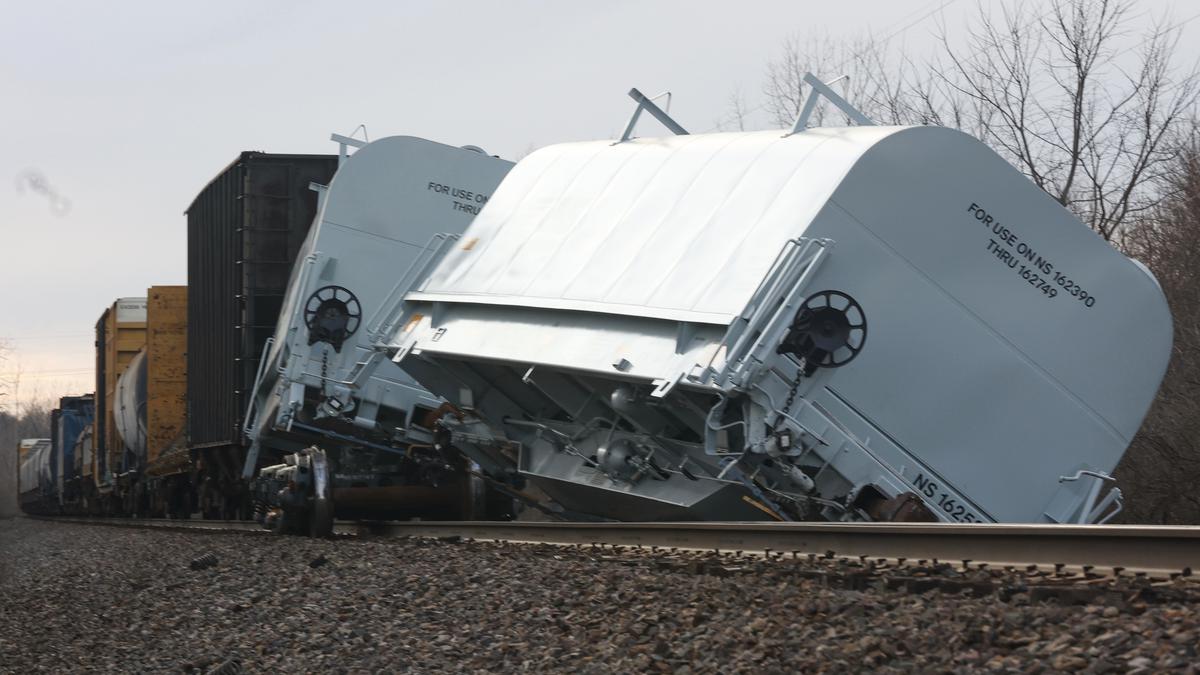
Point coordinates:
[(217, 526), (1154, 550)]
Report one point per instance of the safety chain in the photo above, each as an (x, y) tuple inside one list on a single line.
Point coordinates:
[(324, 371), (791, 397)]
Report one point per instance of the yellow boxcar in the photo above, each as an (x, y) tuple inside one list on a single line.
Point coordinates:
[(120, 335), (166, 362)]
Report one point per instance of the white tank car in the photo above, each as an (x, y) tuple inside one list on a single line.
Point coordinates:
[(375, 220), (860, 323), (129, 413), (35, 475)]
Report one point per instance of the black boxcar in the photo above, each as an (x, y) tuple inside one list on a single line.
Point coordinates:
[(244, 230)]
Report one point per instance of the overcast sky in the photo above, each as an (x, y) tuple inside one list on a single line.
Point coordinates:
[(128, 108)]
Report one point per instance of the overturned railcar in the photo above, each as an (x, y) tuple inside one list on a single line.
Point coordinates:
[(860, 323), (374, 222)]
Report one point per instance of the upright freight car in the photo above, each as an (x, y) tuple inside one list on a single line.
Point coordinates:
[(24, 447), (150, 407), (68, 422), (244, 231), (85, 457), (35, 476), (120, 335), (167, 472)]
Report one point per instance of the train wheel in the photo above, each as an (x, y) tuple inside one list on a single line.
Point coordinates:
[(280, 524), (320, 515), (320, 520)]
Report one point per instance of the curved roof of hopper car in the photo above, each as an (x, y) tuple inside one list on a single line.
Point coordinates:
[(683, 226), (379, 212)]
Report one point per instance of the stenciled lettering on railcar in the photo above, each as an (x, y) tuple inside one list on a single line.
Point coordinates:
[(952, 506), (1026, 261), (461, 199)]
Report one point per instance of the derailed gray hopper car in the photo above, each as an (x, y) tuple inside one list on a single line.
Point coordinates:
[(861, 323), (355, 447)]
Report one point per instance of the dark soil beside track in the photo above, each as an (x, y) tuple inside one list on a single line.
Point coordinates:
[(79, 598)]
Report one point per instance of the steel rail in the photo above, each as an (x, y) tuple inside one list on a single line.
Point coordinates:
[(1159, 550), (216, 526)]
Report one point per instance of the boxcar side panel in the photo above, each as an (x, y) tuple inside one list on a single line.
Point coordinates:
[(124, 336), (166, 377), (244, 230)]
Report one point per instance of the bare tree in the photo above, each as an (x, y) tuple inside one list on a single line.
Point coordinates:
[(8, 449), (1085, 107), (736, 113), (862, 68), (34, 421), (785, 74), (10, 383), (27, 417), (1162, 466), (1066, 97), (28, 420)]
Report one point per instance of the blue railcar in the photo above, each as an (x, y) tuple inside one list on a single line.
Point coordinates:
[(67, 423)]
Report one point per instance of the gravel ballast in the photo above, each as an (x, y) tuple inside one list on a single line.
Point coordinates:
[(79, 597)]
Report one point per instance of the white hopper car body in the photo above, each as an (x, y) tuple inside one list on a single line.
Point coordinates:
[(376, 218), (858, 323)]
